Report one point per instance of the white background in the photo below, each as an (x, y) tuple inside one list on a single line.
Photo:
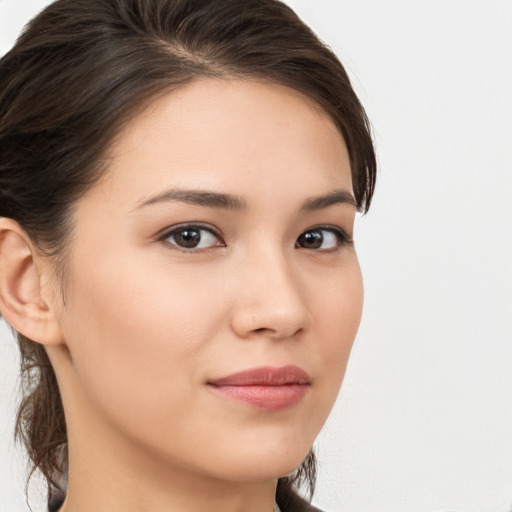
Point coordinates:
[(424, 420)]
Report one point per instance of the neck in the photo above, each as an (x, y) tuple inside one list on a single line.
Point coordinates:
[(103, 481)]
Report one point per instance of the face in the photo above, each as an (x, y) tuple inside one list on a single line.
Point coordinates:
[(213, 292)]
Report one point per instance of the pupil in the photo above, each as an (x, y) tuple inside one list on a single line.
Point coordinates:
[(312, 239), (188, 238)]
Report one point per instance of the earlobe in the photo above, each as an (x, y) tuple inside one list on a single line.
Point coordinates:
[(22, 301)]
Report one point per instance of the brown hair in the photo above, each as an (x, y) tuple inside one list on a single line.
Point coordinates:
[(78, 72)]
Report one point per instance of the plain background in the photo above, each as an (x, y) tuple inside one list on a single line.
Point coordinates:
[(424, 420)]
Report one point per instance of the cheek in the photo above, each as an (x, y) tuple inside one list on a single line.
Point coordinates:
[(337, 318), (134, 335), (337, 302), (345, 310)]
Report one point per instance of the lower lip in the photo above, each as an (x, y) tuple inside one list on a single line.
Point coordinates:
[(266, 398)]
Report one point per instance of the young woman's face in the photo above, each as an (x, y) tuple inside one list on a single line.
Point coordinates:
[(217, 243)]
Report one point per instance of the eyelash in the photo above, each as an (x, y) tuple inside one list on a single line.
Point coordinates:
[(342, 238), (181, 228)]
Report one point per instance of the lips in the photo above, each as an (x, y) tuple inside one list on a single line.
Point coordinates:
[(266, 388)]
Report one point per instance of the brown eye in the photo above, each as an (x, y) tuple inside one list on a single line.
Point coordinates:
[(323, 239), (311, 239), (188, 238), (192, 237)]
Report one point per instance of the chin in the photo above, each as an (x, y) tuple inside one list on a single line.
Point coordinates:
[(265, 464)]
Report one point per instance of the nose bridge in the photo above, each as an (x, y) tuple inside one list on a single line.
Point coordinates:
[(271, 300)]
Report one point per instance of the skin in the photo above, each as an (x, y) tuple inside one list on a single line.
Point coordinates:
[(146, 324)]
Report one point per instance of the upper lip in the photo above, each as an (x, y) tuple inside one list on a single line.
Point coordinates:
[(264, 376)]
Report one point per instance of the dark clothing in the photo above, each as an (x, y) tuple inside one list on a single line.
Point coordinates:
[(294, 503), (290, 503), (55, 501)]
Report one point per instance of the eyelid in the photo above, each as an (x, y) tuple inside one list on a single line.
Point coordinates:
[(343, 237), (167, 232), (347, 239)]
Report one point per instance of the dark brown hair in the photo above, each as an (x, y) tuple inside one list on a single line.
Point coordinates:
[(78, 72)]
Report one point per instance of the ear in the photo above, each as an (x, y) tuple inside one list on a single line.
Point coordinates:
[(25, 295)]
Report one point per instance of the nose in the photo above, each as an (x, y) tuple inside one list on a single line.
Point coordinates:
[(270, 301)]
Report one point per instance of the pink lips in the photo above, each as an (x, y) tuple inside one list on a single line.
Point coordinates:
[(266, 388)]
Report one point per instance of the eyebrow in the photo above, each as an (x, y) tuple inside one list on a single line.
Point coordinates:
[(200, 198), (224, 201), (335, 197)]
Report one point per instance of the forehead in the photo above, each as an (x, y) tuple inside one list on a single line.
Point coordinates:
[(228, 134)]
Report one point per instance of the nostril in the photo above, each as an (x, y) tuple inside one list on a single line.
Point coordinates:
[(263, 330)]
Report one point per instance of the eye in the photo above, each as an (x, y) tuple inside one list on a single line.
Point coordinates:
[(323, 239), (192, 236)]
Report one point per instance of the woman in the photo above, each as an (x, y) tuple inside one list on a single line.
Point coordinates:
[(179, 181)]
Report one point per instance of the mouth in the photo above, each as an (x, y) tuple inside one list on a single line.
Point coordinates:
[(266, 388)]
